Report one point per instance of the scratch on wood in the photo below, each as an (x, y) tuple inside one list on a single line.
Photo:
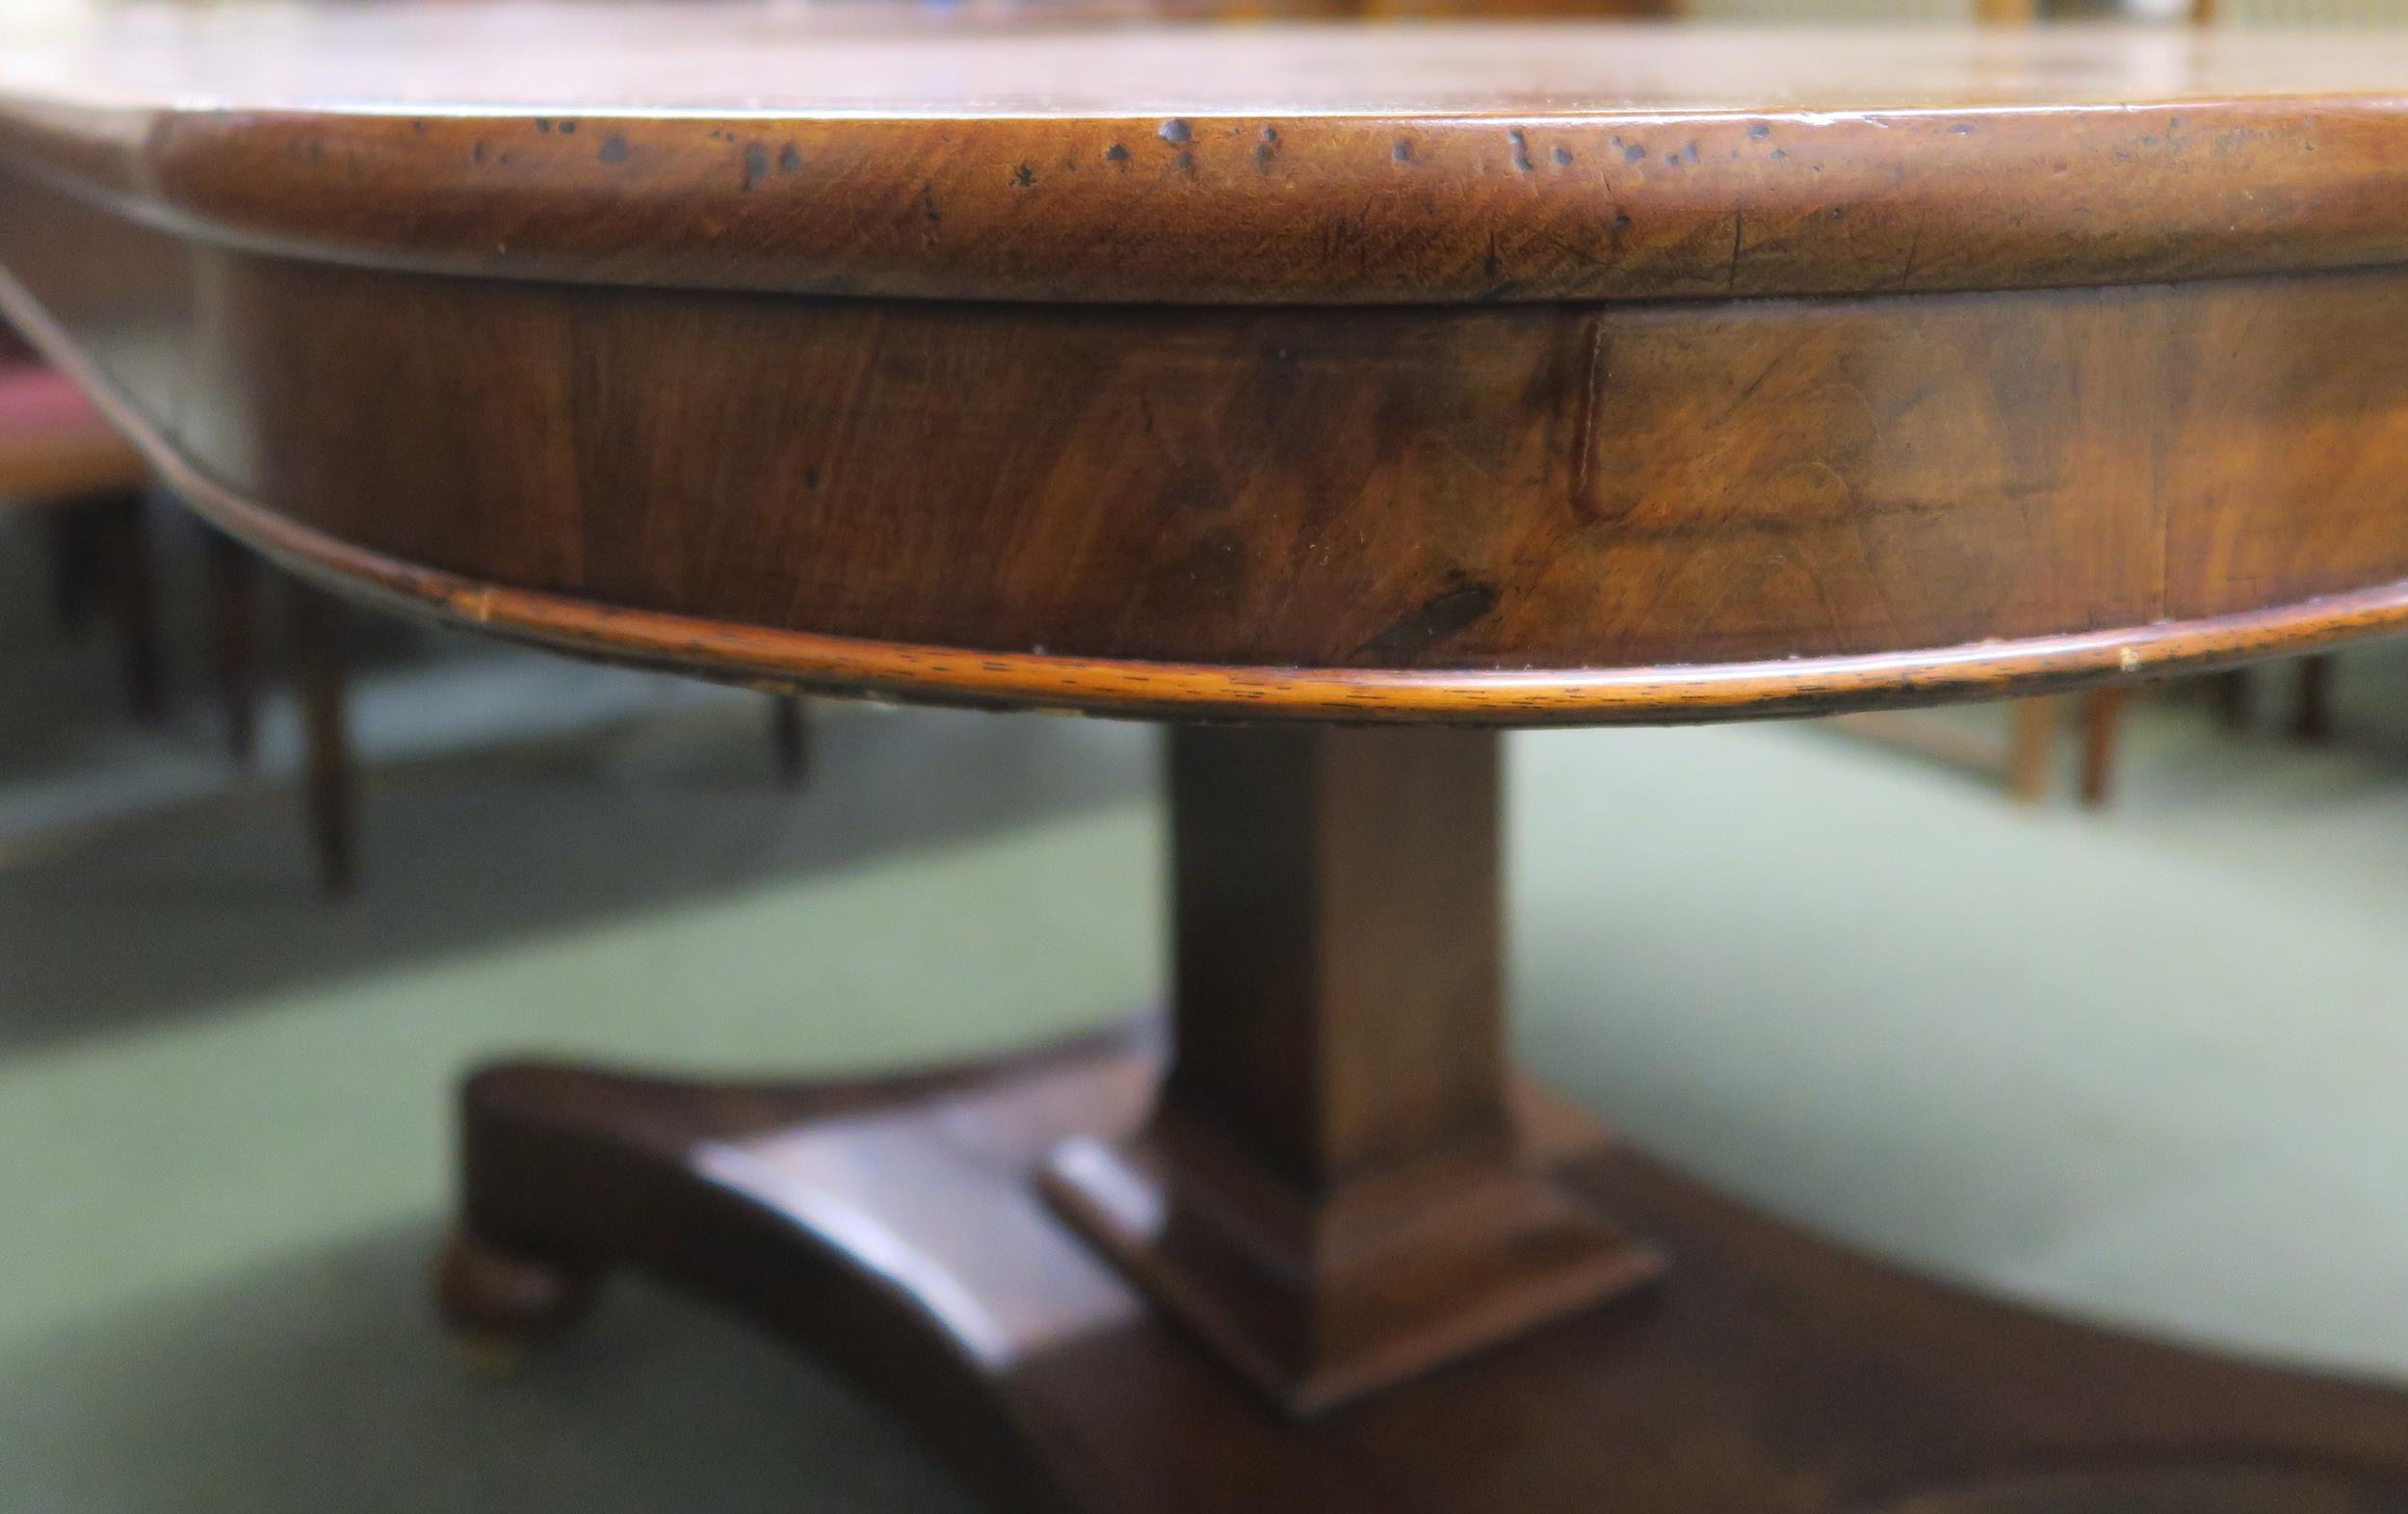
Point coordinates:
[(1585, 440)]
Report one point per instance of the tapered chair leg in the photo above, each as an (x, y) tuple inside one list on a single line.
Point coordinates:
[(2232, 697), (2102, 738), (2313, 721), (234, 595), (132, 580), (790, 738), (317, 659), (75, 578), (2031, 740)]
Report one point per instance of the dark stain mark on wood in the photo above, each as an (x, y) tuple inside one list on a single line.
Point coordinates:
[(1562, 157), (789, 158), (1175, 132), (1759, 132), (1024, 175), (475, 152), (1632, 152), (1115, 153), (1403, 152), (811, 478), (1445, 614), (1521, 150), (1187, 163), (568, 128), (543, 123), (756, 163), (614, 148)]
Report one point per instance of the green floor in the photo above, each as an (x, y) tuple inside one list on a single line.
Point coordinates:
[(2147, 1066)]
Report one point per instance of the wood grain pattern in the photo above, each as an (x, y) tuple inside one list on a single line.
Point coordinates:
[(1333, 1190), (892, 1231), (1510, 513), (1062, 153)]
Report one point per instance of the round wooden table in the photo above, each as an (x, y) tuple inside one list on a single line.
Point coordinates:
[(1340, 395)]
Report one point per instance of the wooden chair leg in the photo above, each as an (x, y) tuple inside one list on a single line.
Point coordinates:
[(2314, 720), (76, 577), (124, 522), (2232, 697), (317, 658), (790, 738), (2031, 740), (235, 591), (2101, 737)]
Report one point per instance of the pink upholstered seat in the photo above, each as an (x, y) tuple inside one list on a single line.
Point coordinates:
[(54, 444), (39, 398)]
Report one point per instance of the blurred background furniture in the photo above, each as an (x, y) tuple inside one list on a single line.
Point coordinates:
[(2022, 756), (60, 455)]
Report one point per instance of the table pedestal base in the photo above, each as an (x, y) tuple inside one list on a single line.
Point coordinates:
[(896, 1228)]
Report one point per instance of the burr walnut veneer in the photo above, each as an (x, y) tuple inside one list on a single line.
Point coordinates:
[(1339, 393)]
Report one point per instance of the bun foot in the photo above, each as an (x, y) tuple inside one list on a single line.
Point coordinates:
[(501, 1305)]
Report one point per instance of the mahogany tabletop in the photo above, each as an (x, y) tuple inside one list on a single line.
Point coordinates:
[(1087, 356)]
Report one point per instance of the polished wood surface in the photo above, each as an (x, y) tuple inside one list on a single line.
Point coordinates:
[(1508, 514), (1330, 1258), (1332, 1188), (891, 1229), (1306, 376), (1059, 153), (1487, 504)]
